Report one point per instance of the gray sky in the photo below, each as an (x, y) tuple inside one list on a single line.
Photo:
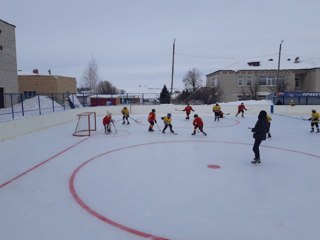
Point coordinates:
[(131, 41)]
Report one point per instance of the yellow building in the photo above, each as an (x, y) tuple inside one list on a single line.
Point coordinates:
[(30, 85)]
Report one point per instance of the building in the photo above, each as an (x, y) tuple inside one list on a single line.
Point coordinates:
[(261, 78), (32, 84), (8, 64)]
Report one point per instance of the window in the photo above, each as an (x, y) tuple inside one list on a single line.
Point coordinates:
[(29, 94), (267, 81), (249, 80), (240, 81)]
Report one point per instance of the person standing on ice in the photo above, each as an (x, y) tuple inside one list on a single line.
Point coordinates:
[(125, 115), (217, 112), (198, 124), (167, 123), (107, 120), (259, 134), (152, 119), (241, 109), (188, 110), (315, 116)]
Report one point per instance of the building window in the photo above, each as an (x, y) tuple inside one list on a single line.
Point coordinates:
[(29, 94), (267, 81), (249, 80), (240, 81)]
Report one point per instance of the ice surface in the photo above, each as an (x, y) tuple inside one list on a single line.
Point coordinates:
[(136, 184)]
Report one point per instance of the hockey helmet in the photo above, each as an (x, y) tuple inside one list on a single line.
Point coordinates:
[(196, 115), (169, 114), (313, 110), (153, 110)]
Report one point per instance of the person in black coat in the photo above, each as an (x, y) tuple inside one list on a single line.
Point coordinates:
[(259, 134)]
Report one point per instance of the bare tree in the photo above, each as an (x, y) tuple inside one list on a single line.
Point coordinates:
[(192, 80), (90, 75), (254, 88), (106, 87)]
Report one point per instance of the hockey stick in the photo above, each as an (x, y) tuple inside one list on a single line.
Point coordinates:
[(158, 127), (136, 121), (226, 113), (178, 110), (114, 127)]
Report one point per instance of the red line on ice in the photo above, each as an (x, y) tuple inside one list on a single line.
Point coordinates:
[(40, 164)]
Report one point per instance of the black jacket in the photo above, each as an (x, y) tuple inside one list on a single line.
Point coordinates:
[(260, 129)]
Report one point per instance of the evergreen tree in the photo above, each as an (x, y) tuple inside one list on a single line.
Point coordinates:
[(164, 95)]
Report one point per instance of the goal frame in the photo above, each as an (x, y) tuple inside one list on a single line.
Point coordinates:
[(91, 121)]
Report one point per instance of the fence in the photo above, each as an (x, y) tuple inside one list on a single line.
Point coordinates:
[(20, 105), (31, 104)]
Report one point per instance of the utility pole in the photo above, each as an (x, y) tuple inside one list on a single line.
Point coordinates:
[(172, 70), (277, 83)]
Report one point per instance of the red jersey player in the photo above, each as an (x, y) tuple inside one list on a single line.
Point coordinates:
[(188, 110), (241, 109), (198, 123)]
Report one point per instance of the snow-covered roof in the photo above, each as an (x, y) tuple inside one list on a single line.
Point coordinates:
[(271, 63)]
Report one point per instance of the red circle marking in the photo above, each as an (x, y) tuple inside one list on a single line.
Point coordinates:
[(81, 202), (213, 166)]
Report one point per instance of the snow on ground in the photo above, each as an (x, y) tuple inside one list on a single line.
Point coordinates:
[(134, 184), (34, 106)]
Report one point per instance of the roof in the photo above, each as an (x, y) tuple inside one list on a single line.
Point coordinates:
[(271, 63), (7, 23)]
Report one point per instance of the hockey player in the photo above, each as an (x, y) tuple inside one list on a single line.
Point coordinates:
[(259, 134), (198, 123), (188, 110), (241, 109), (167, 123), (152, 119), (125, 115), (107, 120), (315, 116), (217, 112), (269, 119)]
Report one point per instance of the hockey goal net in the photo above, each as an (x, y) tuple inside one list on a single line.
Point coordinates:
[(86, 124)]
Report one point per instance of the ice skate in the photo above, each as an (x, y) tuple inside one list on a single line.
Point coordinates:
[(256, 161)]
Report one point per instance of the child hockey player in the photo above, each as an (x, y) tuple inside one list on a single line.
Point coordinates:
[(188, 110), (241, 109), (125, 115), (315, 116), (152, 119), (259, 134), (198, 123), (217, 112), (107, 120), (167, 123), (268, 125)]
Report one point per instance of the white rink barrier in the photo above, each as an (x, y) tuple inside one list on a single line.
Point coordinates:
[(13, 128)]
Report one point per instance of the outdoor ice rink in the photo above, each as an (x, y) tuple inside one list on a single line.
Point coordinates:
[(135, 185)]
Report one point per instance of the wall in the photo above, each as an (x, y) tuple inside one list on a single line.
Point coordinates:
[(19, 127), (47, 84), (8, 61)]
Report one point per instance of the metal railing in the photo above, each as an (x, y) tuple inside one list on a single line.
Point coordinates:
[(20, 105)]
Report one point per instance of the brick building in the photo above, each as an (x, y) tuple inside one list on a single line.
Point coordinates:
[(33, 84), (260, 78)]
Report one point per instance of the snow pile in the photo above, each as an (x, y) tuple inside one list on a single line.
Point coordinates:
[(31, 107)]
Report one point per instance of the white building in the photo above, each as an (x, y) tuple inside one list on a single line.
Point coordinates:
[(259, 78), (8, 64)]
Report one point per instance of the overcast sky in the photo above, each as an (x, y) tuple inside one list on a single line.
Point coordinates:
[(131, 40)]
